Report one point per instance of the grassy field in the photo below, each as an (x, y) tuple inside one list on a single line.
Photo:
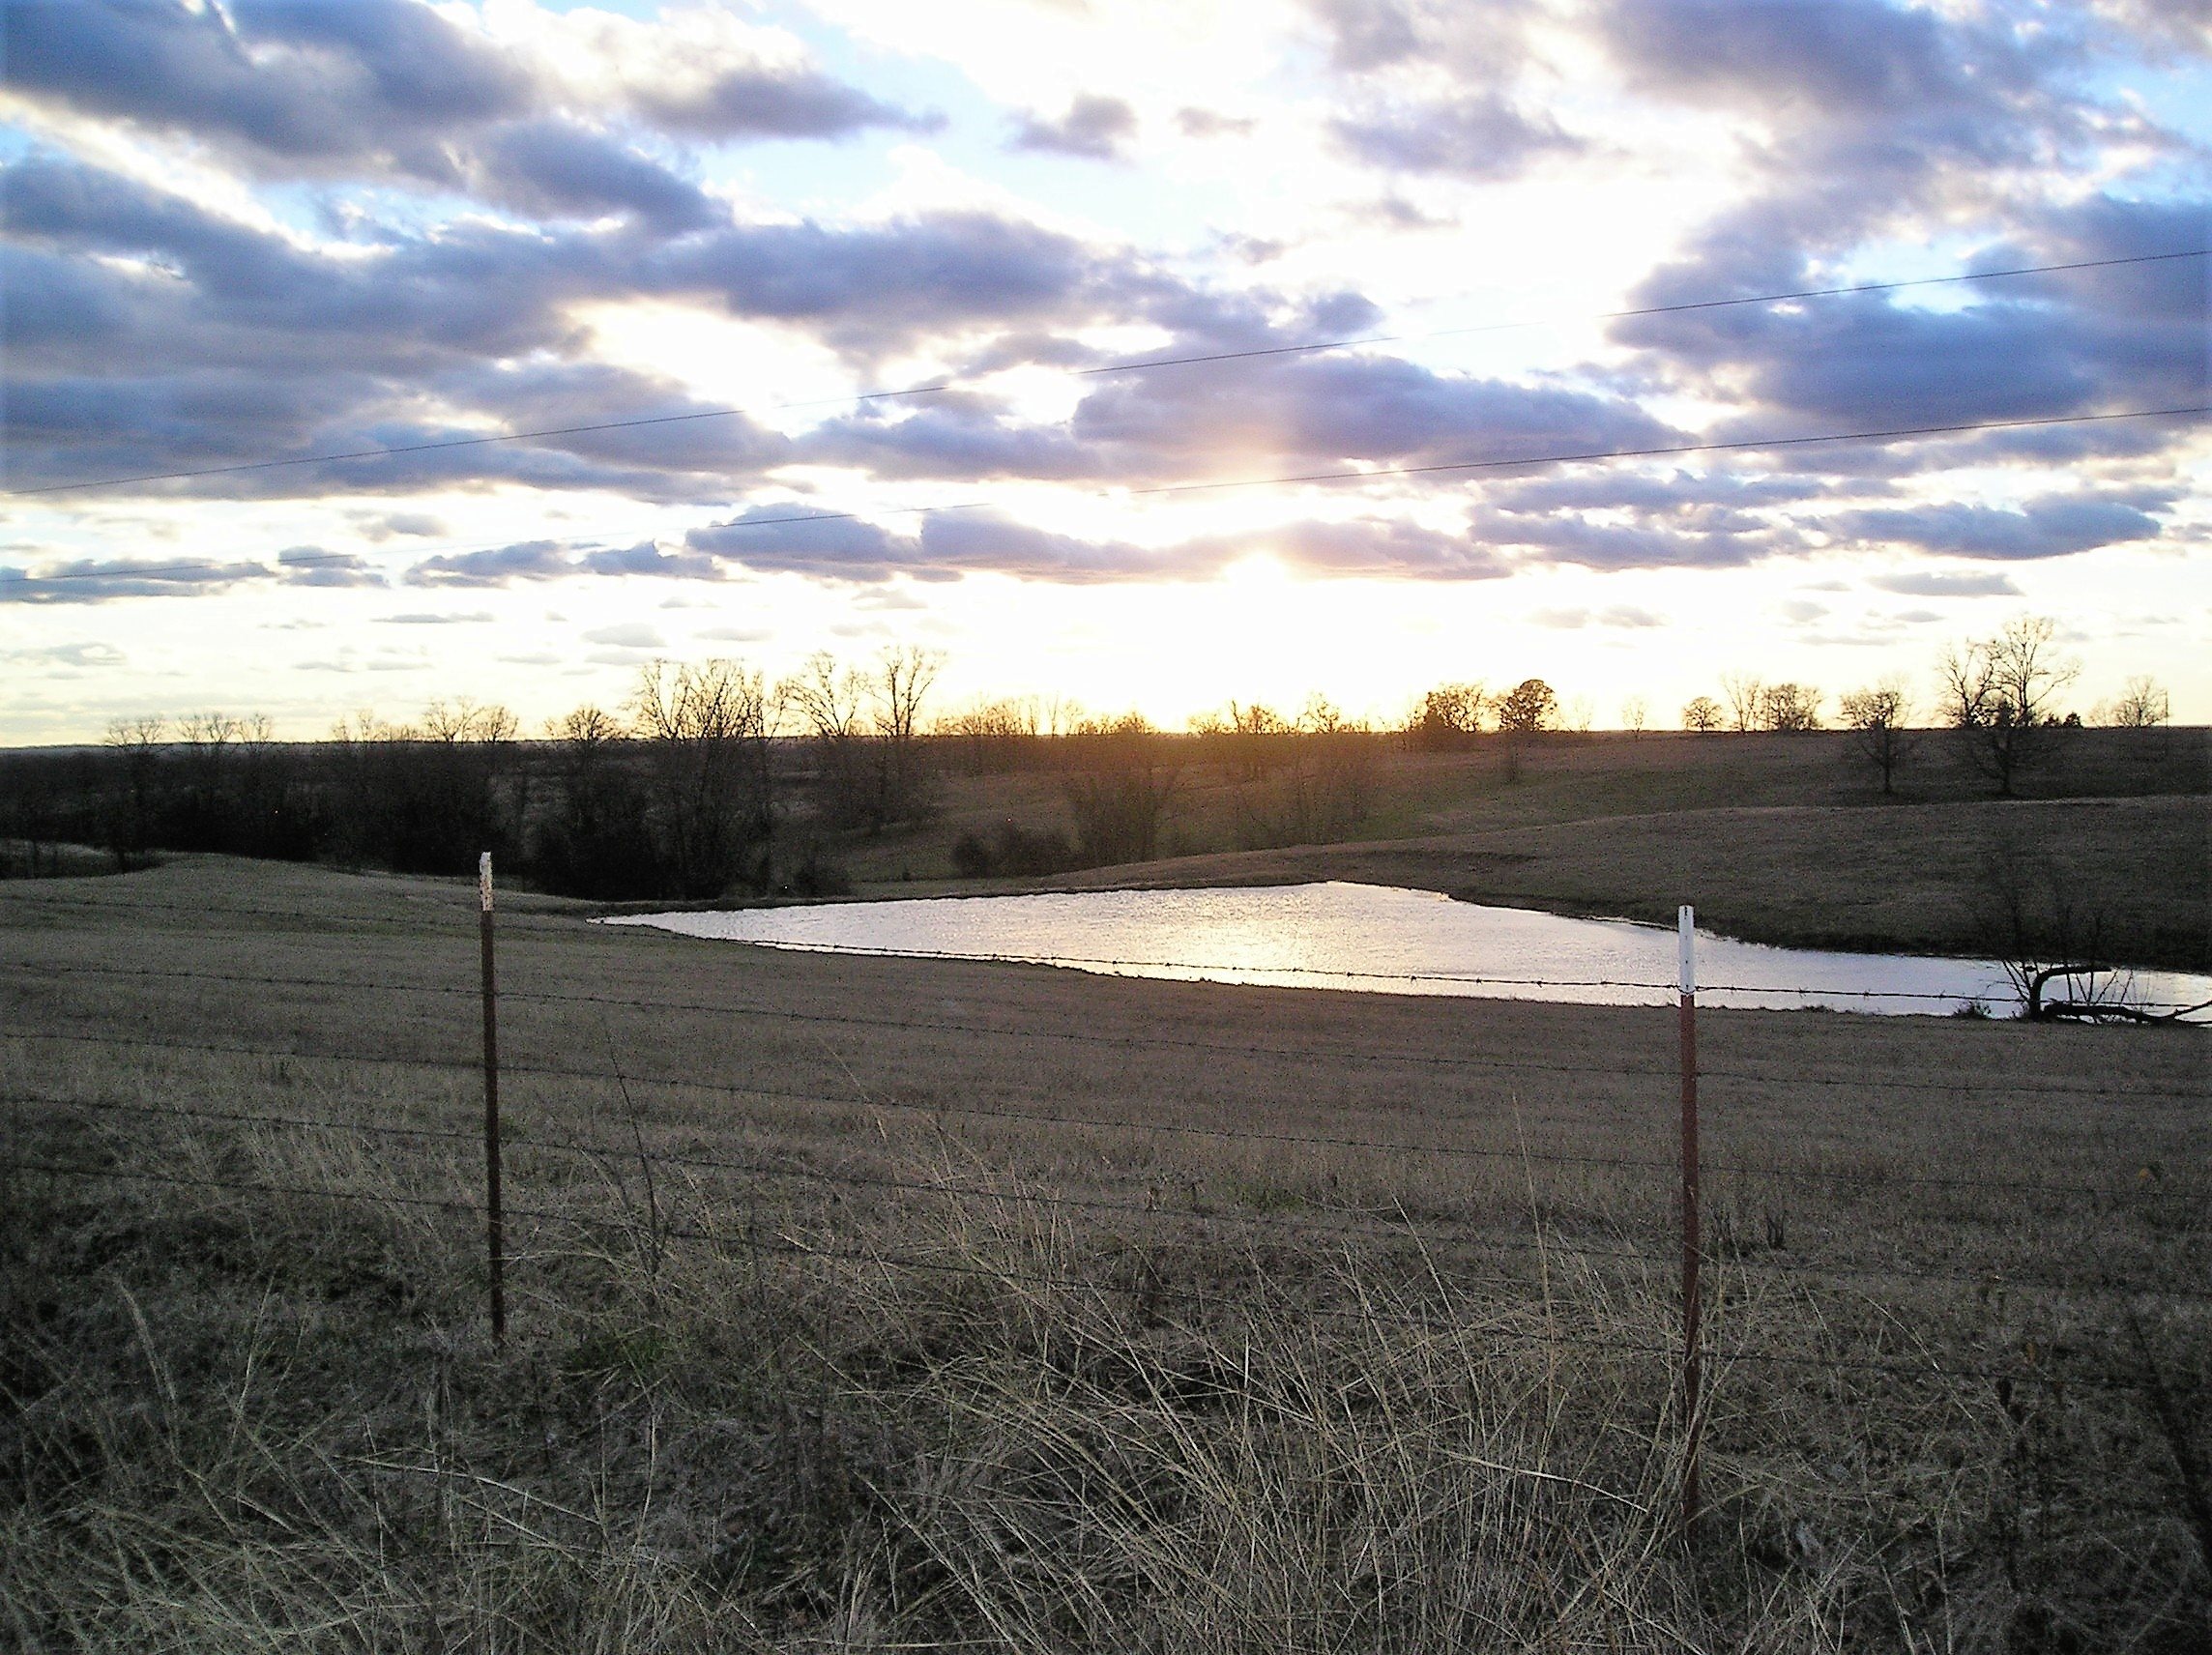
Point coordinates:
[(874, 1304), (1780, 839)]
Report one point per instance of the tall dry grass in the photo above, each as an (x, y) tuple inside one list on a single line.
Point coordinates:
[(1250, 1395)]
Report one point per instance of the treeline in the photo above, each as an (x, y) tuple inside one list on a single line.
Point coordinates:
[(711, 779)]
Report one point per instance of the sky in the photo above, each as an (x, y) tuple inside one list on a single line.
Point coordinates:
[(511, 345)]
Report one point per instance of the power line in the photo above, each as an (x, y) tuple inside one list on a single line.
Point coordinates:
[(1142, 365)]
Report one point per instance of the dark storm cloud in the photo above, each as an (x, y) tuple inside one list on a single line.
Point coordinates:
[(2043, 529), (1095, 127)]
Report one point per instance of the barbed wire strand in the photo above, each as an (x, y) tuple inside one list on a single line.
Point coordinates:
[(750, 1241), (1367, 1223), (916, 1105), (560, 998)]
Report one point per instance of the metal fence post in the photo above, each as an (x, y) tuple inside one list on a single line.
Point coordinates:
[(493, 1242), (1692, 1417)]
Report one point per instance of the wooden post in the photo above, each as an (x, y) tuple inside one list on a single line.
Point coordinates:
[(1693, 1421), (493, 1242)]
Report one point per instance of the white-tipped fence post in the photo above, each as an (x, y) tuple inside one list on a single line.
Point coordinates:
[(493, 1242), (1691, 1418)]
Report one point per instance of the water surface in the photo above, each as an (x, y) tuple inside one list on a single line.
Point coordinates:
[(1377, 939)]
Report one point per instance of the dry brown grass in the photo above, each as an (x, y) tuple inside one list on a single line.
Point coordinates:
[(1125, 1387)]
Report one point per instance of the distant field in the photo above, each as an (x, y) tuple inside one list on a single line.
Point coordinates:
[(1775, 838), (876, 1304)]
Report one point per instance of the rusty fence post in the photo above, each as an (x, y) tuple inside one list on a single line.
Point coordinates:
[(494, 1243), (1692, 1416)]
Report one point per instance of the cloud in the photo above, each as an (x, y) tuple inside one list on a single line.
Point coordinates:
[(526, 560), (1196, 123), (88, 580), (633, 635), (647, 558), (1625, 616), (1480, 137), (1096, 127), (420, 524), (402, 91), (560, 169), (1944, 582), (759, 101), (2043, 529), (312, 565), (426, 619), (250, 346), (946, 545), (87, 655)]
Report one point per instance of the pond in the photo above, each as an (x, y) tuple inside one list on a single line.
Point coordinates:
[(1378, 939)]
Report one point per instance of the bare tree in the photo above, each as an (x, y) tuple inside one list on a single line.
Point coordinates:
[(2000, 695), (901, 681), (1791, 707), (2142, 704), (1320, 716), (1124, 777), (1634, 714), (1703, 714), (1877, 717), (464, 720), (902, 678), (1746, 699), (709, 725), (829, 700), (131, 817)]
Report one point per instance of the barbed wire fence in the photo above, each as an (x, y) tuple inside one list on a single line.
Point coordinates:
[(1454, 1253)]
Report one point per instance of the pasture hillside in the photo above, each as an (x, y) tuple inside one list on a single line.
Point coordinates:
[(1783, 839), (872, 1303)]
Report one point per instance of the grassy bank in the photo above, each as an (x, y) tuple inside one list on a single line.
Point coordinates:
[(1783, 839), (870, 1303)]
